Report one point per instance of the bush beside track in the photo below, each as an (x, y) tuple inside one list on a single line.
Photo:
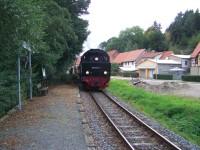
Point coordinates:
[(191, 78), (176, 113)]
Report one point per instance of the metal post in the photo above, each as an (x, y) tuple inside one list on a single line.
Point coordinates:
[(30, 75), (19, 86)]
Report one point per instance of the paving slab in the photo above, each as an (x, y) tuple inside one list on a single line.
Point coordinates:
[(49, 122)]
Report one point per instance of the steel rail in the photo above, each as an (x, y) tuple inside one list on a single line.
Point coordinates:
[(113, 124), (171, 144)]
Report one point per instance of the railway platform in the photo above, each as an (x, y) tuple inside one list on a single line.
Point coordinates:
[(51, 122)]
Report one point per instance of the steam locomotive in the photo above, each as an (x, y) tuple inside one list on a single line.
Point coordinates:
[(94, 69)]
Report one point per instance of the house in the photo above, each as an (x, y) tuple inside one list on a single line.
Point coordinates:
[(149, 55), (150, 67), (183, 59), (128, 60), (195, 61)]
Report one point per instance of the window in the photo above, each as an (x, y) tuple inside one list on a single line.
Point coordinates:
[(186, 63)]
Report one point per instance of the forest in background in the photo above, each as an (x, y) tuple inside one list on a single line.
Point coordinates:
[(181, 36), (55, 33)]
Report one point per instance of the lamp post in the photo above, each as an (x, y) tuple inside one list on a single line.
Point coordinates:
[(18, 82), (27, 46)]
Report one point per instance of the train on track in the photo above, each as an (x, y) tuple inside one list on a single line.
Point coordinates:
[(94, 69)]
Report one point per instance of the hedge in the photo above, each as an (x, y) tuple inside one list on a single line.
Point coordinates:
[(163, 76), (193, 78), (129, 74)]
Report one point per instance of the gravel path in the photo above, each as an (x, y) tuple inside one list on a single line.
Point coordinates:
[(51, 122)]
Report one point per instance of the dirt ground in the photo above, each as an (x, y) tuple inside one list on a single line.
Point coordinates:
[(175, 87), (49, 122), (185, 89)]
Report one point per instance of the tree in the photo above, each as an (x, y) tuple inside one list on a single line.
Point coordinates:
[(54, 31), (185, 28), (155, 39), (129, 39)]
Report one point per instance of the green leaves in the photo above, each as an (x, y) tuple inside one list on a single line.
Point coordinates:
[(55, 34), (184, 31)]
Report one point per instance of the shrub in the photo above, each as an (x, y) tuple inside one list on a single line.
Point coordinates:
[(130, 74), (114, 69), (163, 76), (193, 78)]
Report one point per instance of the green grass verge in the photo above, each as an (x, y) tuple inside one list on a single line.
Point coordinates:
[(181, 115)]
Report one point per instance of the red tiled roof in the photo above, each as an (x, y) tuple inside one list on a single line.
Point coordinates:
[(151, 54), (128, 56), (166, 54), (112, 54), (196, 51)]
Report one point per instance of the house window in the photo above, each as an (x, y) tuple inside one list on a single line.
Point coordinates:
[(186, 63)]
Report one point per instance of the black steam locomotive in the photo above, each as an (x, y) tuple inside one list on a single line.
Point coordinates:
[(94, 69)]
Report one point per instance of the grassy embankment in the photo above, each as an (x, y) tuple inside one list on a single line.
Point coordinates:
[(182, 115)]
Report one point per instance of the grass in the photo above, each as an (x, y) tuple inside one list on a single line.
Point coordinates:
[(181, 115)]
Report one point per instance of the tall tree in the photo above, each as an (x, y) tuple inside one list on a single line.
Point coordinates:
[(155, 39), (185, 28), (129, 39)]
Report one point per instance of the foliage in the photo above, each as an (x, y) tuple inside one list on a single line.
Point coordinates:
[(184, 31), (114, 69), (191, 78), (155, 39), (129, 74), (55, 33), (129, 39), (176, 113), (136, 38), (163, 76), (181, 36)]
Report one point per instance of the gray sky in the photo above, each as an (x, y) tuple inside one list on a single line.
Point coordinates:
[(108, 17)]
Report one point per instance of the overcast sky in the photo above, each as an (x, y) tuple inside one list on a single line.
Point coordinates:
[(108, 17)]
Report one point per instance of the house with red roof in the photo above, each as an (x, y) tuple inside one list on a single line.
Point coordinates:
[(195, 61), (128, 60)]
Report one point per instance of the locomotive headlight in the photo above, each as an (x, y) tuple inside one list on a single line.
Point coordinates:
[(87, 72), (96, 58), (105, 72)]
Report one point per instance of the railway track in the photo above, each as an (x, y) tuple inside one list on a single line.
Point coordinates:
[(133, 131)]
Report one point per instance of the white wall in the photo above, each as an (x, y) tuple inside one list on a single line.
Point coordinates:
[(128, 65)]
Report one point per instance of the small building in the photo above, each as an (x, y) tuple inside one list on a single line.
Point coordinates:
[(183, 59), (195, 61), (150, 67)]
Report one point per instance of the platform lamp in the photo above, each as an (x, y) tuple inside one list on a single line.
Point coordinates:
[(18, 81), (27, 46)]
